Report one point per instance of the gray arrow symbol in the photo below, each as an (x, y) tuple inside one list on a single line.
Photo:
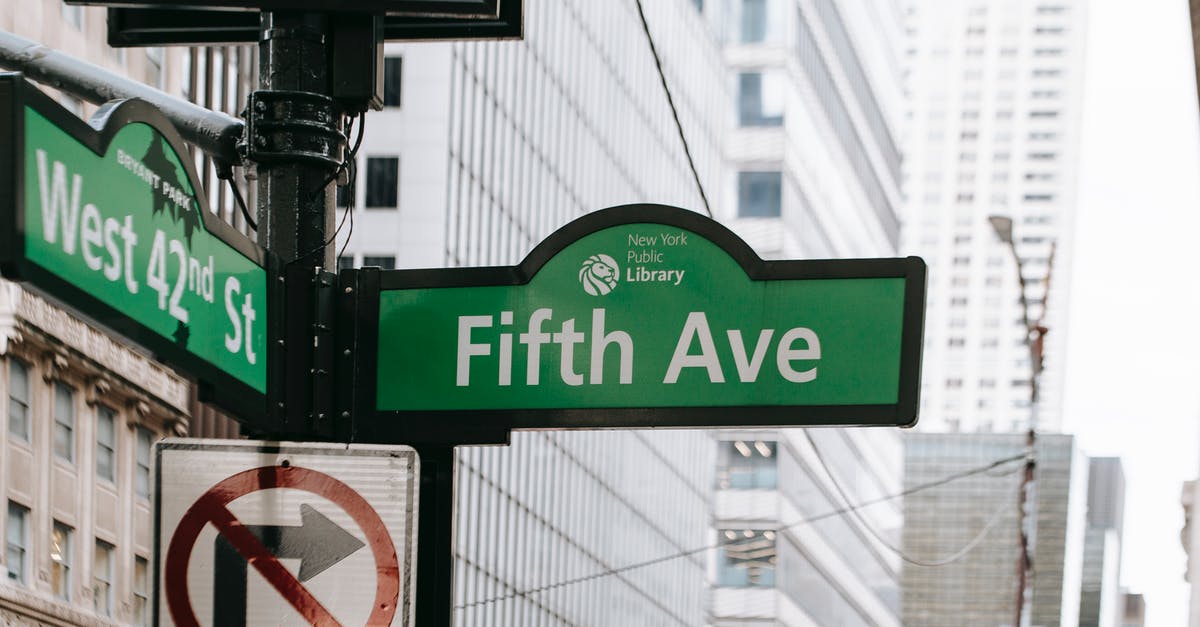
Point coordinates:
[(318, 543)]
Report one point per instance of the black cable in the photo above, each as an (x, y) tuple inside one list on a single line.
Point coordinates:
[(351, 200), (346, 165), (857, 515), (237, 194), (830, 514), (225, 173), (674, 112)]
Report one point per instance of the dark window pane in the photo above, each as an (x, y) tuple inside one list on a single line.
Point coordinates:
[(105, 443), (18, 400), (345, 262), (759, 194), (141, 478), (391, 81), (17, 543), (753, 108), (343, 195), (64, 422), (747, 465), (60, 561), (746, 558), (382, 181), (754, 21), (385, 262)]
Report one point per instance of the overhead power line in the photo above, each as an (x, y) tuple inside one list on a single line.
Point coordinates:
[(687, 151), (812, 519), (854, 511)]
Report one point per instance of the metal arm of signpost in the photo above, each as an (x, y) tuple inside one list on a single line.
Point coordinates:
[(211, 131)]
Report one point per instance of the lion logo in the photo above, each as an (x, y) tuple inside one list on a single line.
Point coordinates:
[(599, 274)]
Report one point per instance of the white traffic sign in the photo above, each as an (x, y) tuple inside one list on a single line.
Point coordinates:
[(256, 533)]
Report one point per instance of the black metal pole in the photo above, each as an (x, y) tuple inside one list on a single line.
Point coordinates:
[(435, 537), (295, 199)]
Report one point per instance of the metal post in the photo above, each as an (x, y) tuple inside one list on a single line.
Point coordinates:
[(211, 131), (293, 134), (295, 199), (1035, 335)]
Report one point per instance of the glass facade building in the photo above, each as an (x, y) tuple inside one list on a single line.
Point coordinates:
[(979, 588)]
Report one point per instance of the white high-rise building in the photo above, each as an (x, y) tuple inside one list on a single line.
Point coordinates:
[(485, 148), (995, 88), (814, 172)]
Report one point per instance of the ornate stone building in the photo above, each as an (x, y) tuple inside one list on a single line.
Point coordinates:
[(77, 427)]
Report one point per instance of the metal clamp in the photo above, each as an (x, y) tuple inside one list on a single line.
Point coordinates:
[(293, 126)]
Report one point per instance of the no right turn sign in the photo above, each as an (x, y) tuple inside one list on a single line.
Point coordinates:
[(251, 533)]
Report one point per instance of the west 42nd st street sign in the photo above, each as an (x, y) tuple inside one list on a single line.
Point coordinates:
[(643, 316), (112, 222)]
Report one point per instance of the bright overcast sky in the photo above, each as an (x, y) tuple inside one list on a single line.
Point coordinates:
[(1133, 368)]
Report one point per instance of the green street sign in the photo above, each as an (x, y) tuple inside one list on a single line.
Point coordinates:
[(639, 316), (112, 222)]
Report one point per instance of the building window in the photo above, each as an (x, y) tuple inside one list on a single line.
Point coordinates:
[(18, 400), (60, 561), (760, 194), (141, 591), (106, 443), (345, 262), (747, 465), (384, 262), (382, 182), (391, 81), (342, 195), (102, 577), (747, 558), (754, 21), (141, 478), (64, 421), (760, 99), (17, 544)]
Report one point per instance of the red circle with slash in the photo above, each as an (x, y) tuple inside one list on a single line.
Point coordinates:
[(212, 507)]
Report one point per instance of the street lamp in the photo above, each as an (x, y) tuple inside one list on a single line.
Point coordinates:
[(1035, 335)]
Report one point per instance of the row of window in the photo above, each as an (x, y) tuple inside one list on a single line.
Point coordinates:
[(19, 394), (383, 262), (17, 555)]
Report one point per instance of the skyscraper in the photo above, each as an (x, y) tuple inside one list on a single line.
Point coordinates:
[(995, 89), (814, 172), (482, 150), (978, 586), (1101, 601)]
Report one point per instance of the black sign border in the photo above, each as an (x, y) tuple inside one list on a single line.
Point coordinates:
[(216, 386), (129, 26), (494, 426)]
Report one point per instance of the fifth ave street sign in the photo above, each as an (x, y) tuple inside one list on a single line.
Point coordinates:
[(640, 316), (112, 222)]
